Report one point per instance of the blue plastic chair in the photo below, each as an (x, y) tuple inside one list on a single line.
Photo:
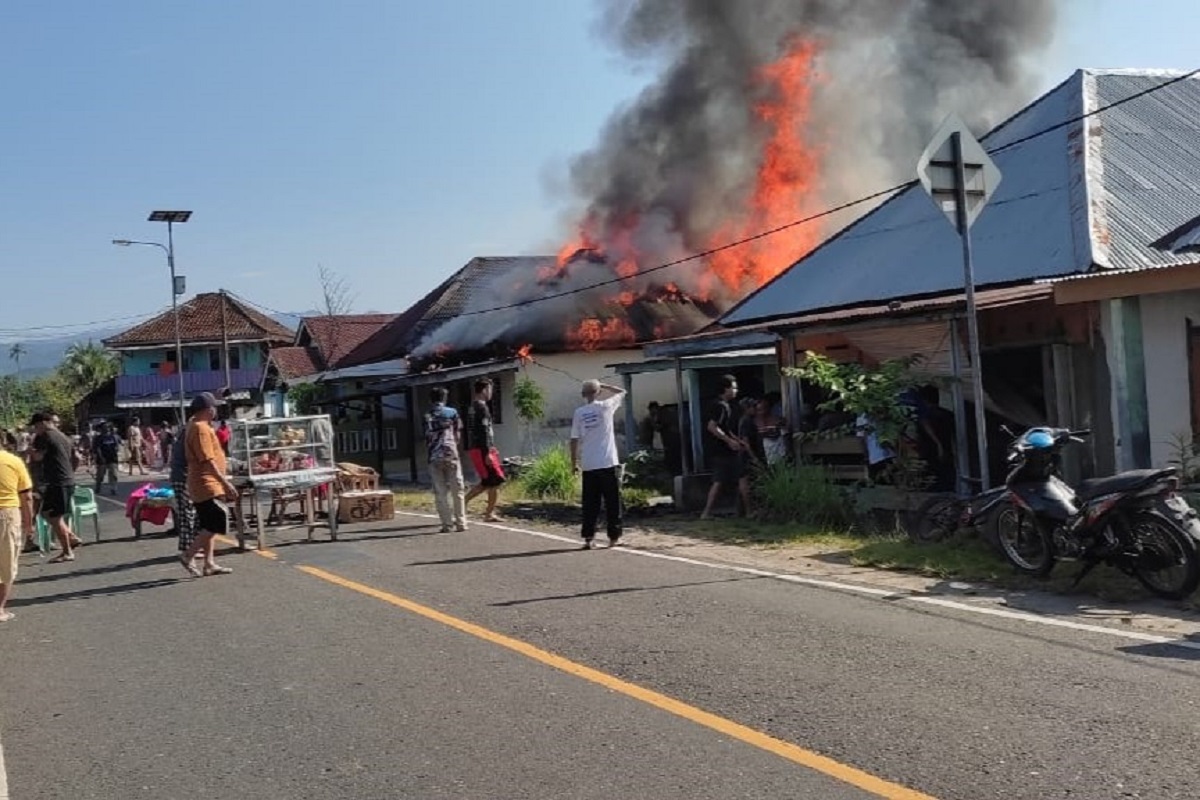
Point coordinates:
[(83, 504), (45, 536)]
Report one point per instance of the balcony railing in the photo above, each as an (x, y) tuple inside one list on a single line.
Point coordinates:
[(166, 387)]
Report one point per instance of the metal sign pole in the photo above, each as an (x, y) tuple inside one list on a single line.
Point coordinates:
[(964, 231)]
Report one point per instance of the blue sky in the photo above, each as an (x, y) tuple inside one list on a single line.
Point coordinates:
[(388, 140)]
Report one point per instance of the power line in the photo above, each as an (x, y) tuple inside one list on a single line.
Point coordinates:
[(93, 323), (827, 213)]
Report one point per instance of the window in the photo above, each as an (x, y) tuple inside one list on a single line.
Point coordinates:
[(235, 358), (214, 359), (368, 441), (171, 356), (393, 441), (352, 442)]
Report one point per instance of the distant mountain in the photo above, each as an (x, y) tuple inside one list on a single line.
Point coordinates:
[(42, 355)]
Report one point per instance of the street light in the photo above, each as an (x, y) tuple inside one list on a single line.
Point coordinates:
[(170, 217)]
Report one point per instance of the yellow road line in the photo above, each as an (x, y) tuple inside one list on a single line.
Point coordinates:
[(806, 758)]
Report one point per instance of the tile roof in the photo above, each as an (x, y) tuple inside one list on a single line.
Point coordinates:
[(200, 321), (294, 362), (436, 322), (1093, 194), (336, 337)]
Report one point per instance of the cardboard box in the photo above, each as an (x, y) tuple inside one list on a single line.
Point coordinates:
[(377, 506)]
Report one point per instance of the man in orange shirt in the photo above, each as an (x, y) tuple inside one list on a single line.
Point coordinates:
[(16, 517), (208, 485)]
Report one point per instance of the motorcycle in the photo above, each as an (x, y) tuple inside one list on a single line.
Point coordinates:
[(1134, 521)]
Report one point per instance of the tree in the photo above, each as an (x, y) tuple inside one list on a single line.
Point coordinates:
[(86, 367), (336, 301), (530, 402), (16, 353)]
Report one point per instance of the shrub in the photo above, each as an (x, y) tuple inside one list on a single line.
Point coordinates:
[(550, 476), (635, 498), (805, 494)]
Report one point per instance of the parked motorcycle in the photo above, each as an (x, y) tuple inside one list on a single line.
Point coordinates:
[(1134, 521)]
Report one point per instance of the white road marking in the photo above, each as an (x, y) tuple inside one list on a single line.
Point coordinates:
[(868, 591)]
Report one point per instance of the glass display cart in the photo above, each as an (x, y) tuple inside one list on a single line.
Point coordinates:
[(286, 460)]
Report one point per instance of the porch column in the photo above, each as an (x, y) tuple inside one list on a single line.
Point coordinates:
[(696, 407), (414, 425), (380, 444), (631, 431), (685, 456), (1129, 383), (793, 391)]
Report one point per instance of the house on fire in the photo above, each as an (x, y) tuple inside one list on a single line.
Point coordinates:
[(1089, 283), (225, 346), (505, 317)]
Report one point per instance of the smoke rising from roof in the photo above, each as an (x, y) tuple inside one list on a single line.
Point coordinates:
[(889, 70), (833, 99)]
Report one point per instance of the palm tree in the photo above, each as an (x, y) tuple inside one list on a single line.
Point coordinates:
[(86, 366), (16, 353)]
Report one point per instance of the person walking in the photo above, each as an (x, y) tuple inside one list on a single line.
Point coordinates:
[(16, 517), (594, 453), (443, 435), (133, 441), (52, 450), (722, 448), (208, 486), (185, 511), (481, 447), (106, 453)]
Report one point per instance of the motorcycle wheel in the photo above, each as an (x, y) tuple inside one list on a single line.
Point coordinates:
[(1003, 516), (1166, 562), (936, 519), (1025, 544)]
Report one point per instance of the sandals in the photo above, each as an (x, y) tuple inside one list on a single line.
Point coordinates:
[(59, 559), (217, 570), (190, 567)]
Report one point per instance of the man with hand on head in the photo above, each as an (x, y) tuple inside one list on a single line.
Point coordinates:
[(594, 453)]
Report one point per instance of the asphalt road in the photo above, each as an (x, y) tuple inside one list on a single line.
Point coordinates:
[(401, 662)]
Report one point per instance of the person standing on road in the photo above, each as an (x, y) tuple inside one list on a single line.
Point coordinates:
[(594, 453), (133, 439), (722, 448), (208, 486), (52, 450), (106, 454), (443, 435), (16, 517), (185, 512), (481, 447)]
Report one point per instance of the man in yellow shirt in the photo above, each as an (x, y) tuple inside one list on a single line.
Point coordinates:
[(208, 485), (16, 517)]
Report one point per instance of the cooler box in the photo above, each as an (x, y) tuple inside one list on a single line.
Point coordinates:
[(375, 506)]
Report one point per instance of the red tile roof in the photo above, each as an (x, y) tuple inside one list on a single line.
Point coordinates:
[(295, 362), (336, 337), (200, 321)]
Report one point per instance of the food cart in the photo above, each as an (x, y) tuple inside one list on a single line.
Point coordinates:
[(283, 460)]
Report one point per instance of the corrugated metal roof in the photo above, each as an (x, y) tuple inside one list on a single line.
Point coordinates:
[(1096, 193), (1184, 239)]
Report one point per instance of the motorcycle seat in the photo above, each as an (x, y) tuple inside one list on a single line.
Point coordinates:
[(1130, 481)]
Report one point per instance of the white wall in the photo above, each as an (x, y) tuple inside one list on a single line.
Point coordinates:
[(1168, 387), (560, 375)]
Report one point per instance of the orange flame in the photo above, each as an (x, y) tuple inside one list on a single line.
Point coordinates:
[(594, 334), (524, 353), (787, 179)]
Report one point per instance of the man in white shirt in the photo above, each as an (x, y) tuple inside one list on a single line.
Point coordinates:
[(594, 453)]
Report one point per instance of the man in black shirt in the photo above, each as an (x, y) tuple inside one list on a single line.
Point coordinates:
[(481, 448), (722, 448), (52, 450)]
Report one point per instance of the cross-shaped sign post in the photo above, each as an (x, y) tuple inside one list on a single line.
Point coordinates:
[(960, 178)]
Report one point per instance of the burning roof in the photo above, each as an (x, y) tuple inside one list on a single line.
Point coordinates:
[(495, 306)]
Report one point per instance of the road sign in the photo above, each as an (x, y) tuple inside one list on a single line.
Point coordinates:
[(939, 170), (960, 177)]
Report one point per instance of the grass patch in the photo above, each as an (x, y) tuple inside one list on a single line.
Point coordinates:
[(959, 558)]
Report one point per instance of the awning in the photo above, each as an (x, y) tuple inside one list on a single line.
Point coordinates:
[(166, 401), (759, 356), (447, 375)]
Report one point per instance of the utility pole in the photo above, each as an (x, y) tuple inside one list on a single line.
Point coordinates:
[(225, 342)]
